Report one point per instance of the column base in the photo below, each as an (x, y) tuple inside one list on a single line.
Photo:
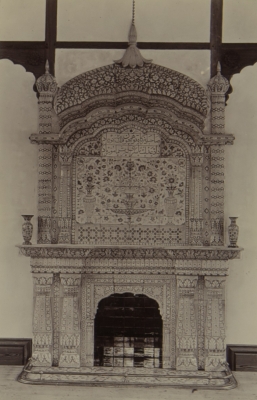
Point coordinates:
[(42, 358), (214, 364), (186, 363), (69, 359), (117, 377)]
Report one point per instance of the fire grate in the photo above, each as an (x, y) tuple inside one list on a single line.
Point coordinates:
[(128, 332)]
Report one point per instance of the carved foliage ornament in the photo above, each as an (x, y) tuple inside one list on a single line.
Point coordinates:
[(150, 79)]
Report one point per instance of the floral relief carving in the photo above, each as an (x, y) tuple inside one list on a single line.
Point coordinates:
[(151, 79)]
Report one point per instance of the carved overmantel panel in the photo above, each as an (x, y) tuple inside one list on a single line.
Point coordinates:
[(131, 200)]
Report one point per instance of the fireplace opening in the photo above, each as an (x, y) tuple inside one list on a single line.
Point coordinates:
[(128, 332)]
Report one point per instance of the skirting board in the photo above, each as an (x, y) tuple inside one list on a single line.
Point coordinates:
[(241, 357), (15, 351)]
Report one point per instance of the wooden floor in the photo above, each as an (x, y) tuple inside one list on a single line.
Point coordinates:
[(10, 389)]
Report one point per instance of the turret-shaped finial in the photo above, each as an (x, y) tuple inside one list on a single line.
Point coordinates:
[(218, 84), (46, 82), (132, 57)]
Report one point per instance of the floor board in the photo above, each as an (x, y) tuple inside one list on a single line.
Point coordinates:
[(10, 389)]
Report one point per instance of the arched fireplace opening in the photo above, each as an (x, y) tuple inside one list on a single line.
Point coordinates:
[(128, 332)]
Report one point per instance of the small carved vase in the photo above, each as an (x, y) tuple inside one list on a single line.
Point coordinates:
[(170, 203), (27, 229), (233, 230), (89, 203)]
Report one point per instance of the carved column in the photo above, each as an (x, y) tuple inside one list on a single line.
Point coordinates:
[(47, 87), (196, 220), (65, 196), (206, 195), (218, 86), (215, 324), (166, 357), (186, 333), (42, 320), (217, 196), (70, 322)]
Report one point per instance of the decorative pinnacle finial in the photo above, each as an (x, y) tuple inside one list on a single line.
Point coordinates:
[(132, 57), (47, 67), (218, 84), (46, 82), (218, 68)]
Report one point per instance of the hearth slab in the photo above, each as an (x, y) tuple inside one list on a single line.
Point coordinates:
[(108, 376)]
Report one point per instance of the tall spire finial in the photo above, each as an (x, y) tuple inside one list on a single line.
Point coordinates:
[(132, 57), (218, 68)]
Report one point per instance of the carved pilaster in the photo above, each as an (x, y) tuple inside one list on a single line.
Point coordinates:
[(217, 196), (218, 87), (70, 322), (196, 222), (186, 333), (42, 320), (206, 196), (65, 196), (47, 87), (64, 225), (196, 229), (166, 345), (44, 230), (215, 324), (45, 164), (56, 318)]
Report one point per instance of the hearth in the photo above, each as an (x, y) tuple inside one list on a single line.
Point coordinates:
[(128, 332)]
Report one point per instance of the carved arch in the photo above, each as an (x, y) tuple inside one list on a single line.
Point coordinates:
[(155, 292), (151, 124), (112, 128)]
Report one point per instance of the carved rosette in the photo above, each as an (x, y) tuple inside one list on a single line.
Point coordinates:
[(215, 324), (70, 324), (42, 320), (186, 333)]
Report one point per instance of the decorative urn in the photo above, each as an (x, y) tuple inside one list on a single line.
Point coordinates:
[(27, 229)]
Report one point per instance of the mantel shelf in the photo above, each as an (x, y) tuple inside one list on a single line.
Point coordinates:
[(168, 252)]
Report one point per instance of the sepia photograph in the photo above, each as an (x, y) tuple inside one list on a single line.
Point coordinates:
[(128, 199)]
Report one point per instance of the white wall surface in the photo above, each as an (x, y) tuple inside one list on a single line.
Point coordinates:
[(241, 202), (18, 183)]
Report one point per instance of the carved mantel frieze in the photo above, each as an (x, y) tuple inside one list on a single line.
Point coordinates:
[(179, 253)]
